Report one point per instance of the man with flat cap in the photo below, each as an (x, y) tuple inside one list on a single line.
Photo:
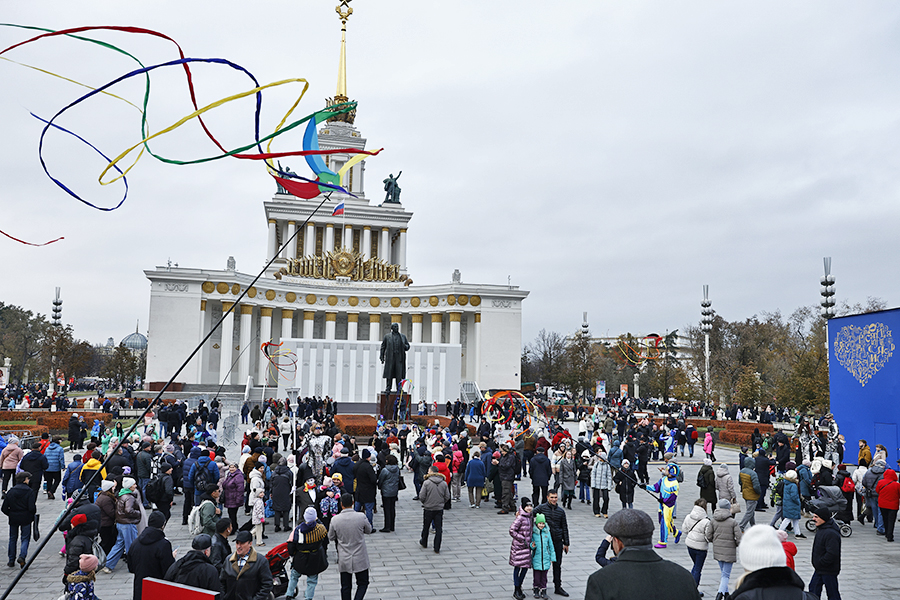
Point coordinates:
[(195, 569), (245, 574), (638, 572)]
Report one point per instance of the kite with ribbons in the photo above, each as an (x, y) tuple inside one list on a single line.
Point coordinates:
[(282, 362), (322, 180), (510, 406)]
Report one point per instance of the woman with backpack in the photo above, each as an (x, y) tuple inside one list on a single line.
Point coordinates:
[(694, 527), (725, 534)]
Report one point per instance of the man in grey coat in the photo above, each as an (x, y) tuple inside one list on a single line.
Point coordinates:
[(349, 529), (433, 495)]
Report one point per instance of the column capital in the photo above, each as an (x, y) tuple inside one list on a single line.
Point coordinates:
[(396, 318), (385, 229), (226, 306), (367, 228), (309, 315), (403, 230), (246, 309), (310, 224), (352, 317), (292, 222), (374, 317), (329, 225), (265, 311), (437, 317), (331, 316), (478, 317), (272, 221), (416, 318), (202, 305), (455, 317), (287, 313)]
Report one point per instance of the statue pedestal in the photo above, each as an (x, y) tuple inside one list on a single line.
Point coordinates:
[(386, 404)]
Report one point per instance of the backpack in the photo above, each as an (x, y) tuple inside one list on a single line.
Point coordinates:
[(694, 435), (155, 490), (202, 477), (848, 485), (701, 481), (194, 524)]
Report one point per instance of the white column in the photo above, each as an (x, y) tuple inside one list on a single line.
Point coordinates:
[(401, 254), (328, 244), (226, 347), (265, 334), (287, 324), (347, 238), (352, 327), (477, 374), (202, 357), (270, 252), (374, 327), (384, 245), (330, 322), (366, 249), (309, 240), (246, 353), (437, 320), (291, 251), (416, 329), (455, 320), (308, 321)]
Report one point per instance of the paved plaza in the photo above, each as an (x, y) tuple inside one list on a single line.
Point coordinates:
[(473, 562)]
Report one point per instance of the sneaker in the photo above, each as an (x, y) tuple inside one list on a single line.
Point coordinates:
[(677, 537), (799, 536), (105, 570), (659, 545), (472, 505)]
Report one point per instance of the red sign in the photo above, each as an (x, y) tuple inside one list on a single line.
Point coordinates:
[(157, 589)]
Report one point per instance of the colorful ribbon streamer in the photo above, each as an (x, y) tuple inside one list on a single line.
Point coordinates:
[(280, 361), (325, 179)]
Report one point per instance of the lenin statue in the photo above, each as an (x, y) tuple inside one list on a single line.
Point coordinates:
[(393, 355)]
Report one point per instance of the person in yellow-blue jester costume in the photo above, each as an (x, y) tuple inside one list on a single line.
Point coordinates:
[(667, 490)]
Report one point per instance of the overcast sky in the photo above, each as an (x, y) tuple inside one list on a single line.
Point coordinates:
[(609, 157)]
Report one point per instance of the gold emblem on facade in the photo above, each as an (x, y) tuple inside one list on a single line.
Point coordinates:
[(475, 300), (353, 301), (235, 289), (433, 301), (415, 302), (451, 299), (222, 288), (342, 263), (374, 301), (310, 298), (332, 300), (463, 300), (270, 294), (395, 302), (252, 292), (290, 297), (208, 287)]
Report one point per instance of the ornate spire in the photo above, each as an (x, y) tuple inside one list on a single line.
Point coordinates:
[(344, 11)]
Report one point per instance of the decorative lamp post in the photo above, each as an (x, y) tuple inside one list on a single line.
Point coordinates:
[(827, 290), (706, 322)]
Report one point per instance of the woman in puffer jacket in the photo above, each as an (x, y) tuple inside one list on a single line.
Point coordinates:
[(520, 548), (694, 527), (601, 483), (725, 534), (233, 492)]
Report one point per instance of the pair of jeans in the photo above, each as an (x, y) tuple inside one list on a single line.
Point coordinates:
[(519, 574), (14, 531), (362, 584), (429, 518), (699, 557), (879, 518), (725, 569), (368, 507), (126, 536), (778, 514), (390, 511), (311, 582), (584, 491), (749, 514), (474, 495), (889, 517), (829, 581)]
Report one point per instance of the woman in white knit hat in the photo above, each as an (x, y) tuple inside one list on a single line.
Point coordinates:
[(767, 576)]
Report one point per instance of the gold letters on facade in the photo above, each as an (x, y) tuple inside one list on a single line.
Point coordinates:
[(341, 263)]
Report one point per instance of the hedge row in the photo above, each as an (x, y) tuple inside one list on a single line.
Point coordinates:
[(425, 421), (60, 420), (737, 438), (35, 430), (356, 424)]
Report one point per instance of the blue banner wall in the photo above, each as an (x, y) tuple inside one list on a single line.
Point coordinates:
[(864, 380)]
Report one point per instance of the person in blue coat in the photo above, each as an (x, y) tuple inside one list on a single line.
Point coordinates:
[(790, 504), (475, 474), (71, 481), (804, 476), (543, 554), (56, 462), (616, 455), (540, 476)]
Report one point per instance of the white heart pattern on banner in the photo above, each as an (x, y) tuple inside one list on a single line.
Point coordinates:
[(864, 350)]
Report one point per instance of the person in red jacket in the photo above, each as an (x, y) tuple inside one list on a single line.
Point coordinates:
[(790, 548), (888, 490)]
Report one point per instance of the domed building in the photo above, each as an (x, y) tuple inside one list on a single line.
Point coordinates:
[(136, 342)]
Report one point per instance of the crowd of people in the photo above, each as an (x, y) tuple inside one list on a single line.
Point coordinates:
[(300, 476)]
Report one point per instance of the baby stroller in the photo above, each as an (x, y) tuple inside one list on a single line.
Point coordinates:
[(830, 497)]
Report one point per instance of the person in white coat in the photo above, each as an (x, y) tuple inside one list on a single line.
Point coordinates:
[(694, 527)]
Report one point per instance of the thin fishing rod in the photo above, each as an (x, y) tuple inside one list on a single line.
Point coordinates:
[(155, 401), (224, 379)]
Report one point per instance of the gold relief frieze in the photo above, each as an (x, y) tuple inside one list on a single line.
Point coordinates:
[(290, 297), (342, 263), (353, 301), (373, 301), (222, 287), (208, 287), (270, 295), (235, 289), (451, 299), (251, 292), (475, 300), (332, 300), (415, 302), (433, 301), (310, 298), (463, 300), (395, 302)]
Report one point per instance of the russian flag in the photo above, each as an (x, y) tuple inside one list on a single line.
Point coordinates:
[(338, 210)]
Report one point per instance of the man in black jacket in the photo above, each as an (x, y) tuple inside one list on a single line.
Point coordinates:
[(366, 485), (221, 549), (559, 535), (195, 569), (540, 476), (19, 506), (638, 571), (507, 473), (826, 555), (35, 463), (255, 582), (150, 554)]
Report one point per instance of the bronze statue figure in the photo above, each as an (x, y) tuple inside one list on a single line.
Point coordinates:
[(392, 195), (393, 355)]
